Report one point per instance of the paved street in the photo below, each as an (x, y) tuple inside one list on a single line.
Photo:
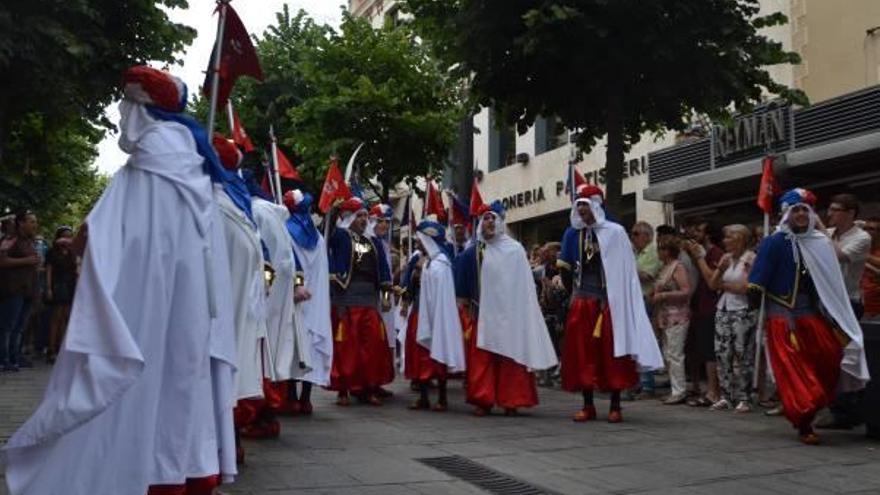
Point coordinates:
[(657, 450)]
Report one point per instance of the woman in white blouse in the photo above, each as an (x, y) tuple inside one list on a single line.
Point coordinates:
[(734, 322)]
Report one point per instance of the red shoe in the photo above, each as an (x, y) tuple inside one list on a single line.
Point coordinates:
[(273, 428), (259, 431), (810, 438), (615, 416), (290, 408), (588, 413), (480, 412), (305, 408)]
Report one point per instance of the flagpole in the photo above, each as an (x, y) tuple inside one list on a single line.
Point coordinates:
[(267, 165), (218, 55), (276, 174), (230, 118), (759, 331), (409, 226)]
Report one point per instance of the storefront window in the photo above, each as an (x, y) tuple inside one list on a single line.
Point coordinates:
[(502, 144), (549, 134)]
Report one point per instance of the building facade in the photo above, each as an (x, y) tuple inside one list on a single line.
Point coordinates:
[(831, 146), (670, 176)]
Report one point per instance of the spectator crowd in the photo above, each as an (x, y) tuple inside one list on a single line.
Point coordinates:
[(694, 279)]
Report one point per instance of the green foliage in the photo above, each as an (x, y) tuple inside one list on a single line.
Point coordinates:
[(61, 64), (55, 177), (326, 92), (617, 68)]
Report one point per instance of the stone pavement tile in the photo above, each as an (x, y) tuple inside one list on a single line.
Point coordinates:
[(840, 479), (477, 449), (380, 470), (770, 485), (446, 488), (267, 479), (619, 479)]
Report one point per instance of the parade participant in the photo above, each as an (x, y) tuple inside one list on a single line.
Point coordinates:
[(511, 337), (312, 297), (379, 227), (797, 271), (434, 343), (607, 332), (360, 282), (287, 340), (148, 353), (246, 266)]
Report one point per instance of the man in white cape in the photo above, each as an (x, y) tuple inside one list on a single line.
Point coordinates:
[(148, 358), (289, 341), (813, 338), (312, 294), (512, 339), (434, 342), (248, 291), (608, 336)]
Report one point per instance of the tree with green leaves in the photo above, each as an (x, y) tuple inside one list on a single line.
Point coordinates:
[(327, 91), (61, 64), (607, 68)]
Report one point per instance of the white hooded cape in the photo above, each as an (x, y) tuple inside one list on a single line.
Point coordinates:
[(633, 334), (313, 315), (288, 342), (248, 297), (143, 366), (439, 327), (510, 322), (824, 268)]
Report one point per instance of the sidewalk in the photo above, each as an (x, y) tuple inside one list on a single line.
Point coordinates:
[(657, 450)]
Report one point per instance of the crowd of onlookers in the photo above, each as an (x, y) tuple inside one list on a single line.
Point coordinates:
[(694, 279), (37, 283)]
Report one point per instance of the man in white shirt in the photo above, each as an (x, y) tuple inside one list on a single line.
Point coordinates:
[(852, 245)]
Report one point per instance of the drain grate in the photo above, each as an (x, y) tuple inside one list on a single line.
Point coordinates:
[(488, 479)]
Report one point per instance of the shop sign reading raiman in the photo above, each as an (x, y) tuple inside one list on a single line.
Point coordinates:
[(761, 130)]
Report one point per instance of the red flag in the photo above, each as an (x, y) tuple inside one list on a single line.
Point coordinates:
[(434, 203), (238, 57), (769, 187), (239, 135), (476, 200), (334, 188), (578, 179), (285, 169), (266, 187)]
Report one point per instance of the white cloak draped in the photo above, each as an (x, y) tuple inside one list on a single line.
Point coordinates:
[(247, 297), (821, 261), (287, 340), (142, 367), (633, 333), (313, 315), (439, 327), (510, 322)]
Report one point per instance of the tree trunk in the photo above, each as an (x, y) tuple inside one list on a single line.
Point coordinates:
[(614, 154)]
